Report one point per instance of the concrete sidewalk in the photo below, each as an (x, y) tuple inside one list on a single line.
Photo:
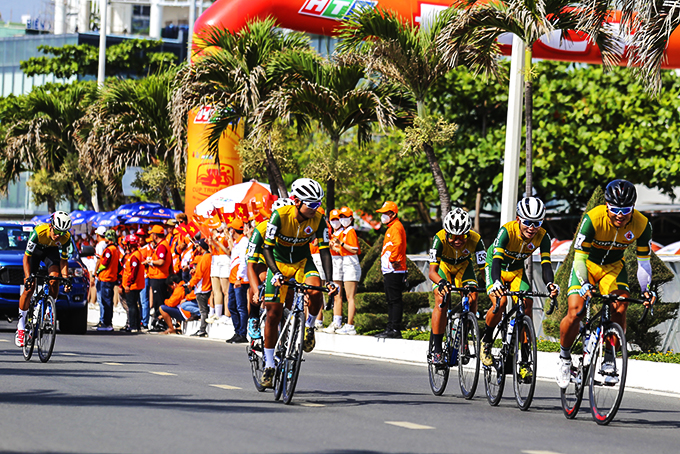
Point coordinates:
[(642, 375)]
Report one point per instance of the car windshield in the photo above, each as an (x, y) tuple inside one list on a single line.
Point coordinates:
[(14, 237)]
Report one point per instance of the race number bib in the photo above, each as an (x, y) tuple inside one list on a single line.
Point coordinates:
[(578, 244), (481, 257), (30, 247), (433, 255), (270, 234), (326, 237)]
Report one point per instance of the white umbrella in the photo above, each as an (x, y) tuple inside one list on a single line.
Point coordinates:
[(229, 196)]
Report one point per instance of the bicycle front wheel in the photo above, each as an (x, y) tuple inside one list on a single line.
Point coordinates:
[(608, 374), (525, 357), (494, 375), (439, 373), (572, 395), (30, 332), (293, 360), (280, 356), (468, 355), (255, 351), (47, 329)]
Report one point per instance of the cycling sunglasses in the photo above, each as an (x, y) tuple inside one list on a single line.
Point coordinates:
[(456, 237), (528, 223), (58, 232), (313, 205), (623, 211)]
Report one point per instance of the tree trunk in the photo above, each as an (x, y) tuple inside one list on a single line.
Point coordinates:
[(272, 181), (94, 197), (99, 206), (330, 183), (275, 170), (177, 199), (424, 212), (528, 108), (84, 190), (51, 205), (437, 175), (478, 209)]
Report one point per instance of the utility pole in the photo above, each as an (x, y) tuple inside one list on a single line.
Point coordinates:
[(192, 20), (101, 72)]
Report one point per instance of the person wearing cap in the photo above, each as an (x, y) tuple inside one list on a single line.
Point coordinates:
[(158, 270), (393, 267), (133, 282), (348, 271), (201, 284), (146, 250), (98, 251), (219, 271), (108, 275), (238, 282), (336, 256)]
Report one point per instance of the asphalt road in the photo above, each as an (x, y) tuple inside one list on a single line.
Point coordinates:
[(116, 393)]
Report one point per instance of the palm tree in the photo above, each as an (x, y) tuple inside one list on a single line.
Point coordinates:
[(482, 24), (337, 95), (42, 135), (130, 125), (409, 56), (232, 75)]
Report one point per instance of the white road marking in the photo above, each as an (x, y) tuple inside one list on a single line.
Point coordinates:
[(309, 404), (114, 364), (409, 425), (4, 340), (69, 354), (540, 452), (226, 387), (165, 374)]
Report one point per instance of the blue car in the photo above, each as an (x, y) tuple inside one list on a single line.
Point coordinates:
[(71, 307)]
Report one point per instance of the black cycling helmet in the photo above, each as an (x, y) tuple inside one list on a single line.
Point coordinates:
[(620, 193)]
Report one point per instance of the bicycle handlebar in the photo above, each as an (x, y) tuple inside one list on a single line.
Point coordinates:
[(297, 286), (530, 294), (37, 277), (465, 290), (611, 297)]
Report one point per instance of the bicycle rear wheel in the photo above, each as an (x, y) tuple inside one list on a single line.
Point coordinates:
[(30, 332), (293, 358), (607, 383), (468, 356), (439, 373), (494, 375), (572, 395), (47, 329), (525, 357)]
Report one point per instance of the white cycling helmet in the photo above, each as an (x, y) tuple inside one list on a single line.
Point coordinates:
[(307, 190), (281, 202), (531, 209), (60, 221), (457, 222)]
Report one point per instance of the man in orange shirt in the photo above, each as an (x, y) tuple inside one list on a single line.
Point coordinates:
[(393, 267), (145, 249), (133, 282), (170, 309), (158, 271), (202, 286), (108, 275)]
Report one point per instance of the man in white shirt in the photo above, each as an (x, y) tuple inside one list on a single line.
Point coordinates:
[(98, 251), (238, 283)]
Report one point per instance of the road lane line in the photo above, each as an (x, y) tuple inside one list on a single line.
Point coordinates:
[(113, 364), (165, 374), (226, 387), (309, 404), (4, 340), (540, 452), (69, 354), (409, 425)]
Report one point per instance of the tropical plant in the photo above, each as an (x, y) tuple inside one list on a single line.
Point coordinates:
[(129, 125), (408, 55), (231, 74)]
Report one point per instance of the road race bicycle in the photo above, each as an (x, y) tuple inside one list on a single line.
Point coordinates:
[(41, 319), (288, 350), (602, 365), (460, 348), (255, 348), (514, 352)]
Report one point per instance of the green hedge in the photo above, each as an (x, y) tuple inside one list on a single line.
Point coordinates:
[(374, 282), (377, 302)]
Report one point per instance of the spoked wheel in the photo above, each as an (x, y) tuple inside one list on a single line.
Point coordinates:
[(47, 329), (524, 367), (255, 351), (572, 395), (439, 373), (280, 356), (468, 356), (494, 375), (30, 333), (293, 360), (608, 374)]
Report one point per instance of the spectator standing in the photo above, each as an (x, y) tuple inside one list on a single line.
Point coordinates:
[(146, 250), (202, 285), (98, 251), (336, 232), (393, 267), (133, 282), (347, 243), (238, 282), (159, 265), (219, 271), (108, 275)]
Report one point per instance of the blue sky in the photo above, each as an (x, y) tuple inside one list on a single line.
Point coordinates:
[(18, 8)]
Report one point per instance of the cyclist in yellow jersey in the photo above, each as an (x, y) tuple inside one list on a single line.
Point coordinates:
[(455, 251), (48, 244), (286, 252), (516, 242), (605, 233)]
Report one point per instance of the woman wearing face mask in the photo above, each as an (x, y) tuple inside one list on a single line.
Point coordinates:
[(336, 227), (350, 272)]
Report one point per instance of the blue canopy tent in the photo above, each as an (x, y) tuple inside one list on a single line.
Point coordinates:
[(41, 218), (129, 209)]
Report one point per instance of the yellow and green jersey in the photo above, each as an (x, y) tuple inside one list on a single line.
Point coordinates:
[(513, 250), (443, 251), (255, 243), (290, 239), (40, 239)]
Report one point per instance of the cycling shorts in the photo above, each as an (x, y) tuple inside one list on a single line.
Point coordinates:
[(606, 278), (50, 256), (299, 271), (515, 280), (459, 275)]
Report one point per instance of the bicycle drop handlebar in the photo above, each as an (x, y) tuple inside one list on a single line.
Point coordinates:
[(465, 290), (610, 298), (38, 277), (531, 294)]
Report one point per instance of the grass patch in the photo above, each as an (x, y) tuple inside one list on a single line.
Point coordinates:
[(660, 357)]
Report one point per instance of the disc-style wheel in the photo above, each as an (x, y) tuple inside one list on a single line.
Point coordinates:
[(468, 356), (494, 375), (608, 370), (47, 329), (524, 367), (293, 359)]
